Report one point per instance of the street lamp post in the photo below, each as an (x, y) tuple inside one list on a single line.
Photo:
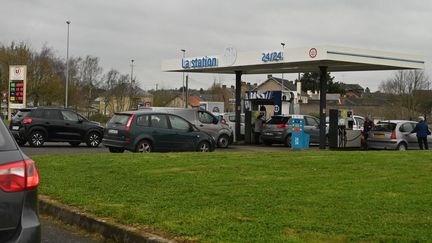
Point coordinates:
[(67, 65), (132, 65), (183, 87), (283, 50)]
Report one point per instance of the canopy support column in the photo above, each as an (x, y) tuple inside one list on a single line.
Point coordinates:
[(238, 104), (323, 101)]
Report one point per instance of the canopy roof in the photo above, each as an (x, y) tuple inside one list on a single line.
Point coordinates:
[(306, 59)]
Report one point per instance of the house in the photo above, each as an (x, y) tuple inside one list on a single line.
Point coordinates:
[(178, 101), (353, 90), (129, 97)]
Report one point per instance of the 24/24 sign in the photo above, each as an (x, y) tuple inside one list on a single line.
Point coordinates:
[(272, 56)]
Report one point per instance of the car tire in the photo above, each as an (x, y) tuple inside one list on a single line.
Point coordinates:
[(93, 139), (287, 141), (116, 150), (37, 139), (223, 141), (21, 142), (402, 147), (144, 146), (267, 143), (74, 144), (203, 146)]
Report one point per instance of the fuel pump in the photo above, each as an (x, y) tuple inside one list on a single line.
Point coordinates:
[(341, 132)]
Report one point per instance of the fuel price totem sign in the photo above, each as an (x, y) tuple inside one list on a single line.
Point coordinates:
[(17, 87)]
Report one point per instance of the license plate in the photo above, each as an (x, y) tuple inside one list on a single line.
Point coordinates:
[(379, 135), (112, 131), (268, 133), (15, 127)]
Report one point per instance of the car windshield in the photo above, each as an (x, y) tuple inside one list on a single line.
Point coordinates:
[(278, 120), (119, 119), (384, 127), (6, 141)]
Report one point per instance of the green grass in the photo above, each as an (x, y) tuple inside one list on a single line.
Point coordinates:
[(317, 196)]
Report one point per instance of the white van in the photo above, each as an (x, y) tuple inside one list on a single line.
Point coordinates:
[(204, 121)]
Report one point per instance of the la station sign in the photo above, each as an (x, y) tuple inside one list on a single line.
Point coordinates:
[(17, 86)]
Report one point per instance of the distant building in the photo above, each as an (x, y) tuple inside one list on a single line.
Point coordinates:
[(193, 102)]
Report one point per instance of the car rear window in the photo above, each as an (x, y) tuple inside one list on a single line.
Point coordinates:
[(384, 127), (22, 113), (278, 120), (119, 119), (6, 140)]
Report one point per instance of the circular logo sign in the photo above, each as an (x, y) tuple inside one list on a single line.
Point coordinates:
[(17, 71), (313, 52), (229, 56), (276, 108)]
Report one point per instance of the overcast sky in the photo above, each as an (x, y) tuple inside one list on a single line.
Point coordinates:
[(152, 31)]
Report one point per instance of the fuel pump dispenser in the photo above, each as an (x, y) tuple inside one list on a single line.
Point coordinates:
[(341, 132), (299, 139)]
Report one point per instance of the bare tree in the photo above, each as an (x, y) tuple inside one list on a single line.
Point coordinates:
[(403, 85), (89, 72)]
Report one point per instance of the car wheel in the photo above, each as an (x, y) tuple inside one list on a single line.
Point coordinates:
[(223, 141), (288, 141), (36, 139), (21, 142), (402, 147), (267, 143), (74, 144), (203, 146), (144, 146), (94, 139), (116, 150)]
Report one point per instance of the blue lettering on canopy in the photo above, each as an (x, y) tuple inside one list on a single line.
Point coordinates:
[(199, 62)]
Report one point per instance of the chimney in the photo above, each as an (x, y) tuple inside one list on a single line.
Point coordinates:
[(255, 85), (223, 86), (269, 76), (232, 87)]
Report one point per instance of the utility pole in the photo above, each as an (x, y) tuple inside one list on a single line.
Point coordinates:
[(132, 65), (183, 85), (67, 65), (187, 91), (283, 50)]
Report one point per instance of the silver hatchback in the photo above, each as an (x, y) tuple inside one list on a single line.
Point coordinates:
[(394, 134)]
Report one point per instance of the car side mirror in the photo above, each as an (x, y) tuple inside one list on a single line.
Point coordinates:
[(80, 120), (215, 120)]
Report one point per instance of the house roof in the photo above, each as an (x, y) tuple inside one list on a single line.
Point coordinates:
[(288, 85)]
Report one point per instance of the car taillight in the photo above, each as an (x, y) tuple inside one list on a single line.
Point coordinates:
[(128, 124), (393, 135), (27, 120), (19, 176), (281, 126)]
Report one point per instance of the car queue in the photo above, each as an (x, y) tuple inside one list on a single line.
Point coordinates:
[(185, 129)]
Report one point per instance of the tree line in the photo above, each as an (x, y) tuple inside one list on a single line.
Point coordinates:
[(46, 75)]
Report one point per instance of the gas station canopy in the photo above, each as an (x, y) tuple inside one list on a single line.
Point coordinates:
[(320, 59), (296, 60)]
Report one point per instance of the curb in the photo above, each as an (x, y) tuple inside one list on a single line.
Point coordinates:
[(90, 223)]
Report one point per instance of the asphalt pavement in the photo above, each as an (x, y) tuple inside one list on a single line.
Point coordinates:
[(54, 231), (65, 148)]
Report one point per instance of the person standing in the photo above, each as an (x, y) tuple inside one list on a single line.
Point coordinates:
[(257, 128), (367, 126), (422, 130)]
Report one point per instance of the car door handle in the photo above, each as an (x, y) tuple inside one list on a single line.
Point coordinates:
[(47, 123), (67, 124), (201, 125)]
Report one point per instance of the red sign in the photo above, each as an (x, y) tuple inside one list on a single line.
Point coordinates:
[(313, 52)]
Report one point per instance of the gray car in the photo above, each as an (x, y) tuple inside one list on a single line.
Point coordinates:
[(19, 180), (394, 134), (278, 130), (203, 120)]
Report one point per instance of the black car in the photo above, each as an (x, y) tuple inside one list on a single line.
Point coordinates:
[(19, 179), (146, 131), (39, 125)]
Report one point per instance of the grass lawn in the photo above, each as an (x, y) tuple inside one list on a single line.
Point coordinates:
[(318, 196)]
